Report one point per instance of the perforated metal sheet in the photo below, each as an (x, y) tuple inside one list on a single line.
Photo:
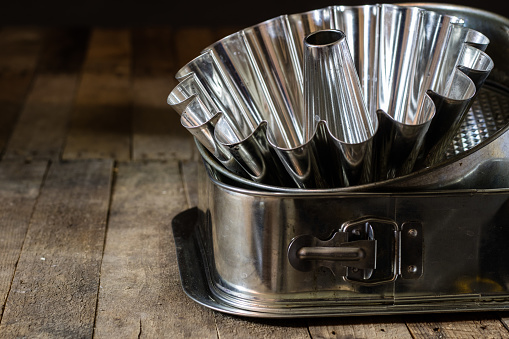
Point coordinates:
[(488, 114)]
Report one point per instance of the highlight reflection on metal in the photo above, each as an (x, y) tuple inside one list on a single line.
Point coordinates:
[(334, 105), (481, 146), (257, 250), (250, 90)]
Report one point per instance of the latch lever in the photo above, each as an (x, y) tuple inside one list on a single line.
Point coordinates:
[(331, 253), (359, 254)]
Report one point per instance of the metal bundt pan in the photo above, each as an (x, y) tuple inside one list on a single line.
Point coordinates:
[(246, 99), (272, 251)]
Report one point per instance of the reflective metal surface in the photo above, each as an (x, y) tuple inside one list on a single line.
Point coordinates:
[(284, 254), (429, 241), (256, 76), (481, 146), (196, 283), (338, 128)]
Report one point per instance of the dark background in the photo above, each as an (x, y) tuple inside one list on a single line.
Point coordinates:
[(175, 13)]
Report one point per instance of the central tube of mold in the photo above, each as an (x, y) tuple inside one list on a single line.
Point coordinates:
[(332, 90)]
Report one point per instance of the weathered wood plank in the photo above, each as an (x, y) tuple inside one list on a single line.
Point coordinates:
[(189, 171), (109, 52), (157, 131), (54, 291), (64, 50), (19, 187), (42, 125), (190, 41), (359, 327), (19, 52), (463, 325), (140, 291), (100, 125), (234, 327), (154, 52), (20, 48)]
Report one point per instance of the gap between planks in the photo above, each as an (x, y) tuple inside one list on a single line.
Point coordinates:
[(54, 289), (146, 196), (140, 286), (99, 126), (19, 51), (225, 323), (40, 130), (120, 110), (20, 185)]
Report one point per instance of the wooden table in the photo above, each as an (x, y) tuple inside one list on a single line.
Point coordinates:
[(94, 166)]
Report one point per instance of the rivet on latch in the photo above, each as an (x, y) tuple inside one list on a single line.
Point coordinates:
[(413, 233), (411, 250), (412, 269)]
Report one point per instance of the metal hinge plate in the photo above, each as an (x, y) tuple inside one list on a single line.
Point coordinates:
[(369, 250)]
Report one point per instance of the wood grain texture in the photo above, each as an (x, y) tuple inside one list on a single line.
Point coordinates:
[(140, 292), (189, 170), (40, 130), (64, 50), (19, 188), (235, 327), (358, 327), (19, 53), (20, 48), (42, 125), (157, 131), (154, 52), (101, 121), (86, 249), (465, 325), (54, 291)]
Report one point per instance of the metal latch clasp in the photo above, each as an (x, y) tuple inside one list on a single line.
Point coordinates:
[(361, 251), (359, 254)]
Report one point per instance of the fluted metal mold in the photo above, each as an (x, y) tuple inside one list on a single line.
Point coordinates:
[(415, 67), (333, 98)]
